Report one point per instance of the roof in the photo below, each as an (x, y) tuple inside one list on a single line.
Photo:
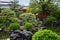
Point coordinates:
[(5, 1)]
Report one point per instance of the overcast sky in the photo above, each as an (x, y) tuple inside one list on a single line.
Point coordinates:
[(22, 2)]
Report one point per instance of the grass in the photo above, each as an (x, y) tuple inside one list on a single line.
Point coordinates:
[(4, 35), (55, 29)]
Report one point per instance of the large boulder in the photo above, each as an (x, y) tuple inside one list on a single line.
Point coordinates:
[(21, 35)]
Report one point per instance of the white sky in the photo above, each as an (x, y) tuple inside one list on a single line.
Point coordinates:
[(22, 2)]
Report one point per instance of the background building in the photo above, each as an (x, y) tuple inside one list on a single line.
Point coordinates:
[(7, 4)]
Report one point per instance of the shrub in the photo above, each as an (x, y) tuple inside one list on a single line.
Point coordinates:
[(8, 12), (29, 17), (51, 18), (0, 10), (28, 26), (14, 26), (13, 20), (19, 12), (1, 25), (2, 19), (45, 35)]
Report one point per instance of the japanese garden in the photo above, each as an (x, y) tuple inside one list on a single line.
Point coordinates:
[(40, 20)]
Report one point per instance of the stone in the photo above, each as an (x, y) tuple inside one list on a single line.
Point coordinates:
[(21, 35)]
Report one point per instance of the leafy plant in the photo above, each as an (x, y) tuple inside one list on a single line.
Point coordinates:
[(0, 10), (2, 19), (28, 26), (57, 13), (29, 17), (45, 35), (14, 26), (1, 25), (8, 12), (51, 18), (13, 19), (19, 12)]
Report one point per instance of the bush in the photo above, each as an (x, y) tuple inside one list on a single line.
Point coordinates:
[(51, 19), (1, 25), (28, 26), (13, 20), (29, 17), (19, 12), (2, 19), (8, 12), (45, 35), (14, 26), (0, 10)]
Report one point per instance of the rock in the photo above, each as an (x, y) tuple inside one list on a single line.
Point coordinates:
[(27, 34), (21, 35), (21, 27), (14, 35)]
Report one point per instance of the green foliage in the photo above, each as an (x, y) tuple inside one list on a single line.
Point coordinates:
[(14, 26), (13, 19), (8, 12), (19, 12), (2, 19), (51, 19), (0, 10), (45, 35), (55, 29), (29, 17), (57, 13), (28, 26), (15, 4), (1, 25), (35, 7), (44, 6), (54, 10)]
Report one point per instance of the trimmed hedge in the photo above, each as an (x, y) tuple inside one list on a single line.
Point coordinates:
[(14, 26), (45, 35), (28, 26)]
